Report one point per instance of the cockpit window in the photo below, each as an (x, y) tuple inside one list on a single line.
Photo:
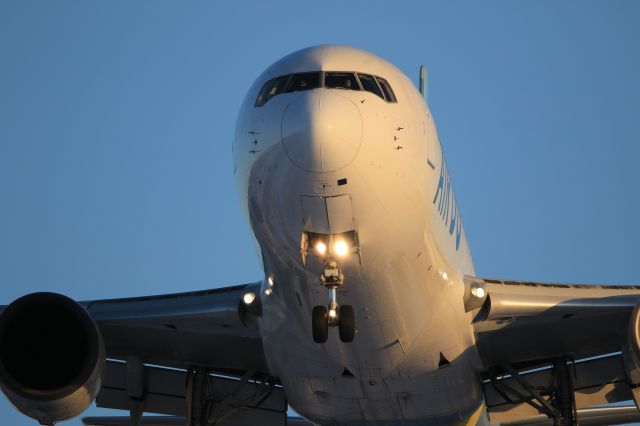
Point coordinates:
[(304, 81), (271, 88), (262, 96), (369, 84), (388, 93), (340, 80), (332, 80)]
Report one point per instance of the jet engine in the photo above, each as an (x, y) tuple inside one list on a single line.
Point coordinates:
[(52, 357), (634, 334)]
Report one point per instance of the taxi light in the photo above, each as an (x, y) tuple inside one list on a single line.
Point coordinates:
[(248, 298), (341, 248), (332, 313), (270, 281), (321, 248), (268, 292)]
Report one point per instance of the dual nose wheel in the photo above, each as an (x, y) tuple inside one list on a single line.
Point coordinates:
[(344, 319)]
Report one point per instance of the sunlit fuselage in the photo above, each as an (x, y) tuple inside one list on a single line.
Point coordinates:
[(380, 166)]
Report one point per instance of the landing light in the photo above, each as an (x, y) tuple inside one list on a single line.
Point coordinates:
[(248, 298), (341, 248), (321, 248), (270, 281), (478, 292), (268, 292), (332, 313)]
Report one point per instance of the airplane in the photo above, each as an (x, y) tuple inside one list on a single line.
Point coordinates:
[(369, 311)]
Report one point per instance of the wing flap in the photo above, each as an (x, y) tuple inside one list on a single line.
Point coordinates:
[(163, 391), (596, 382), (126, 421), (151, 389), (601, 416), (181, 421)]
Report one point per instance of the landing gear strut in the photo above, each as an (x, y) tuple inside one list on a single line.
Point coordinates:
[(333, 315)]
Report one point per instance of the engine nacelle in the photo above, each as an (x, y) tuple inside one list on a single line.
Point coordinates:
[(634, 334), (52, 357)]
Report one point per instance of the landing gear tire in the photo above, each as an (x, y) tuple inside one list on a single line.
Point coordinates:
[(347, 323), (320, 324)]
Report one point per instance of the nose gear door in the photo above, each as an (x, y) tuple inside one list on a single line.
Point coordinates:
[(327, 215)]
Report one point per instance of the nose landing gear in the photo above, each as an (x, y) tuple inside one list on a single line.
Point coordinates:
[(333, 315)]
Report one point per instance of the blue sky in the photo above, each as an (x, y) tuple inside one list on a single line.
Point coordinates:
[(116, 121)]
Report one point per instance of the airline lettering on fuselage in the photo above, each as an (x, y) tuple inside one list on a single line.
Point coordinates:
[(446, 204)]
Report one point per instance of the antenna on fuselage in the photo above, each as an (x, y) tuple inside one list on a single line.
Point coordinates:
[(423, 82)]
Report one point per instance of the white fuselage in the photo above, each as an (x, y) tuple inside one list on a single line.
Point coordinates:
[(292, 157)]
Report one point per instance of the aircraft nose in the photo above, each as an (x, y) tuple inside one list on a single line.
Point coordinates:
[(321, 131)]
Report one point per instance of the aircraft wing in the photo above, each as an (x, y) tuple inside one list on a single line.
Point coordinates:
[(527, 333), (202, 328), (194, 355)]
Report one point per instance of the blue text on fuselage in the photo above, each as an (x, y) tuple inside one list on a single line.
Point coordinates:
[(445, 201)]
